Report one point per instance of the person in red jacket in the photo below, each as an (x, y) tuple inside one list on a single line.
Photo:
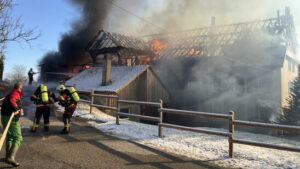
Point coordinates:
[(12, 104), (43, 108), (66, 100)]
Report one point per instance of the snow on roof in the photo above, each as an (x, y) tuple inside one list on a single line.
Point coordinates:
[(92, 78)]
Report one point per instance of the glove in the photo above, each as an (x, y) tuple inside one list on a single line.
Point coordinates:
[(17, 117)]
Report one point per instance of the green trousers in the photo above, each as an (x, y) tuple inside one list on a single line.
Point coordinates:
[(14, 135)]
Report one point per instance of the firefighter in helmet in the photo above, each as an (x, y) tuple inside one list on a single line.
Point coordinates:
[(43, 100), (68, 98)]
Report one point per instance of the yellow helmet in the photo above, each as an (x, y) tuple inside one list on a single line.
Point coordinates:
[(60, 88)]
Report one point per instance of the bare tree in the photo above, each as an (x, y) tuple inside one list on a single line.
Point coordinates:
[(11, 29), (18, 74)]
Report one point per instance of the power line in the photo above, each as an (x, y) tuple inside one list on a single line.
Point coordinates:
[(133, 14)]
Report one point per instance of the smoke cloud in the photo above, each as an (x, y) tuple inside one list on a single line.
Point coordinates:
[(240, 77), (243, 79), (72, 44)]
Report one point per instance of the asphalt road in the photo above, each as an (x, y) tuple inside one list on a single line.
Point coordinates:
[(86, 147)]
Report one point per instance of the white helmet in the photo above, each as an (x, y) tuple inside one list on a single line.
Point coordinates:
[(60, 88)]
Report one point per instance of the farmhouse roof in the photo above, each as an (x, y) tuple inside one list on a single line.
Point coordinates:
[(121, 76)]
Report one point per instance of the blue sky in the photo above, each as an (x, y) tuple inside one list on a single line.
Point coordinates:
[(49, 17)]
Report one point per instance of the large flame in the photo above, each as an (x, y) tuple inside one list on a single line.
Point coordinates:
[(158, 46)]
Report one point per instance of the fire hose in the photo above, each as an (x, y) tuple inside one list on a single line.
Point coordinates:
[(6, 130)]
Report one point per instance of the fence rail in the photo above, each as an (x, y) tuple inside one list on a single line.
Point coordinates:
[(195, 113), (230, 117), (84, 101), (103, 95), (278, 147), (104, 107), (139, 116), (154, 104), (267, 125), (218, 133)]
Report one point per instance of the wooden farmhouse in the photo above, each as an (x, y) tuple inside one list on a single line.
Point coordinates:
[(139, 83)]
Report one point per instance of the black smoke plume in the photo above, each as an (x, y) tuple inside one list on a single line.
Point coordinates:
[(72, 44)]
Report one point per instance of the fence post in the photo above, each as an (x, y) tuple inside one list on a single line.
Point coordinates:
[(231, 130), (160, 119), (92, 101), (117, 115)]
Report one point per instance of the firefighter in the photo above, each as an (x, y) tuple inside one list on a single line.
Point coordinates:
[(30, 76), (68, 98), (12, 104), (43, 100)]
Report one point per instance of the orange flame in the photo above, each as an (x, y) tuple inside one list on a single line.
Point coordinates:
[(191, 51), (158, 46)]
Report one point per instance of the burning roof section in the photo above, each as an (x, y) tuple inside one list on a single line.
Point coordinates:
[(112, 43), (214, 40)]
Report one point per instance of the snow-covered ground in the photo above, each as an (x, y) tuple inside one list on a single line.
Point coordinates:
[(199, 146)]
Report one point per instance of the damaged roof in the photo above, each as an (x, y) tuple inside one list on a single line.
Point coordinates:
[(107, 42), (240, 39), (92, 78)]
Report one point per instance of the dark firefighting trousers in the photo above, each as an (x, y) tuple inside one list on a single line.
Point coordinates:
[(67, 117), (45, 112)]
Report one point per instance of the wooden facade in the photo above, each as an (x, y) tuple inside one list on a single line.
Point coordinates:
[(146, 86)]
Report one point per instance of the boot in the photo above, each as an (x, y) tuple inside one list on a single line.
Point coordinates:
[(46, 128), (12, 154), (64, 131), (8, 147), (33, 129)]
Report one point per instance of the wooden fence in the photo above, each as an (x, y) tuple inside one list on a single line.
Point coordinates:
[(161, 110)]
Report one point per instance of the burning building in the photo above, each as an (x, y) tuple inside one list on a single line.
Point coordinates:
[(118, 69), (246, 67)]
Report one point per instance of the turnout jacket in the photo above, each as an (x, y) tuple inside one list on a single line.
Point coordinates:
[(67, 100), (12, 102), (37, 98)]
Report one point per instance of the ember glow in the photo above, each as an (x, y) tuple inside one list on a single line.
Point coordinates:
[(158, 47), (191, 51)]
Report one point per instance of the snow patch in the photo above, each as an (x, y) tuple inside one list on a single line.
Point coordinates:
[(199, 146), (92, 78)]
